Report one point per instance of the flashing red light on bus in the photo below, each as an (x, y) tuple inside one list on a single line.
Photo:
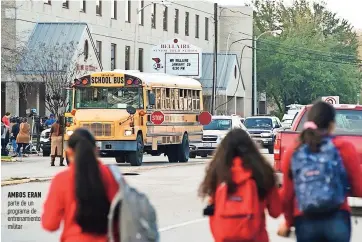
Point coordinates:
[(129, 82), (84, 81)]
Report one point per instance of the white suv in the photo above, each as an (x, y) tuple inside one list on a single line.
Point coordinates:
[(213, 133)]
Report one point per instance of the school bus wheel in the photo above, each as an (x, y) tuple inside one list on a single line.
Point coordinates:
[(135, 158)]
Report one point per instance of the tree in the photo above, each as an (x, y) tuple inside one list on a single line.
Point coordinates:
[(55, 67), (316, 54)]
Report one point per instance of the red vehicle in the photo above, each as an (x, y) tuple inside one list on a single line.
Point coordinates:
[(348, 124)]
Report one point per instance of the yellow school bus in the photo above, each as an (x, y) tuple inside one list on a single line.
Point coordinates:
[(118, 107)]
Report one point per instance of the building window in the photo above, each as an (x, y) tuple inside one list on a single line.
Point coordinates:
[(127, 57), (153, 16), (165, 18), (187, 19), (99, 50), (127, 9), (140, 59), (197, 18), (113, 56), (82, 5), (65, 3), (47, 2), (99, 7), (114, 9), (176, 20), (206, 28), (141, 17)]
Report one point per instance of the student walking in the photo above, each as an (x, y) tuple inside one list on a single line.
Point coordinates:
[(319, 173), (240, 184), (56, 145), (23, 137), (81, 195)]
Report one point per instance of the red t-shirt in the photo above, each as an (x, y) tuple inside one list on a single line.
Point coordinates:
[(60, 205), (352, 163)]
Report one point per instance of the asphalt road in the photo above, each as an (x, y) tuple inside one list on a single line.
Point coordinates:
[(171, 188)]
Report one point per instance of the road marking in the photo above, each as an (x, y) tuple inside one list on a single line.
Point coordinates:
[(182, 224)]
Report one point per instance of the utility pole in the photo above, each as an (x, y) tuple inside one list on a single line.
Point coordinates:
[(214, 79)]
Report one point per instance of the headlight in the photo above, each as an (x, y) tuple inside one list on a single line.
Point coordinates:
[(69, 132), (266, 134), (127, 132)]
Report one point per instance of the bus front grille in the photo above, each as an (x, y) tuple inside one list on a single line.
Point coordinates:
[(99, 129)]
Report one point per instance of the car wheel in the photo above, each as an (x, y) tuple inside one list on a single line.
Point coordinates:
[(46, 153), (192, 155)]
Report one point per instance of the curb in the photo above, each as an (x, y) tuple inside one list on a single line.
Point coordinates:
[(23, 180), (17, 181)]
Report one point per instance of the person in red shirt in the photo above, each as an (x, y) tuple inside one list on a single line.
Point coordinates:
[(6, 119), (81, 195), (336, 226), (237, 158)]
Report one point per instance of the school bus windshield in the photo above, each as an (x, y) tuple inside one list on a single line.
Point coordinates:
[(108, 98)]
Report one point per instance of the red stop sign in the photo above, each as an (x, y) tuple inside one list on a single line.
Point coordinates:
[(157, 117), (205, 118)]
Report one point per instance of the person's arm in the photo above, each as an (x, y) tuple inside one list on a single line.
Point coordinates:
[(53, 212), (274, 204), (352, 164), (287, 191)]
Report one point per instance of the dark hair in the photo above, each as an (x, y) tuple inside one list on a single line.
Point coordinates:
[(237, 143), (25, 120), (7, 114), (90, 192), (322, 114)]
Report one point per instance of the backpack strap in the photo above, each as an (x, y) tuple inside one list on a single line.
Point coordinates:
[(117, 175)]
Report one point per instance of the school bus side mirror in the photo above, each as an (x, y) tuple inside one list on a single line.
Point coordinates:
[(151, 98)]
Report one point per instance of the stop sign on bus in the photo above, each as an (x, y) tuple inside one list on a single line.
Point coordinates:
[(157, 117), (205, 118)]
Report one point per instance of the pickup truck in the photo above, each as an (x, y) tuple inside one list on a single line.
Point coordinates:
[(348, 125)]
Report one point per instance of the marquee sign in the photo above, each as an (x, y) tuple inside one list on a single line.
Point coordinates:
[(177, 57)]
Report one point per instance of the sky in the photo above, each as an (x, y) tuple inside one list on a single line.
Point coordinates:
[(347, 9)]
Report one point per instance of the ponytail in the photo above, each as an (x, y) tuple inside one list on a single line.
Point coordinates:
[(312, 138), (90, 192)]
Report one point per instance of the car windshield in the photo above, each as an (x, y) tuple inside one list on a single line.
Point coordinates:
[(258, 123), (347, 122), (218, 124), (108, 98)]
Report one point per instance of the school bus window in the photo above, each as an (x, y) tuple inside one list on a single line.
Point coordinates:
[(189, 99), (163, 98), (181, 99), (168, 101), (158, 98), (198, 100), (109, 98), (176, 99)]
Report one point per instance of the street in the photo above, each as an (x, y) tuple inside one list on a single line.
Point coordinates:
[(171, 188)]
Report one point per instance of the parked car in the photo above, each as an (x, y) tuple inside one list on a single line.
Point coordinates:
[(45, 142), (213, 133), (348, 125), (263, 130)]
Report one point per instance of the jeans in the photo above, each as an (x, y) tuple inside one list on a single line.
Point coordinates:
[(20, 145), (13, 143), (334, 228)]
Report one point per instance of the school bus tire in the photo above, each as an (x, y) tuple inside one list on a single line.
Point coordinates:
[(184, 149), (135, 158)]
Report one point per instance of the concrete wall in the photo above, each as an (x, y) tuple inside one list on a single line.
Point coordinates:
[(235, 25)]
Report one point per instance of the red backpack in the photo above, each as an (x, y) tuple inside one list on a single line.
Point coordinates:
[(237, 217)]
